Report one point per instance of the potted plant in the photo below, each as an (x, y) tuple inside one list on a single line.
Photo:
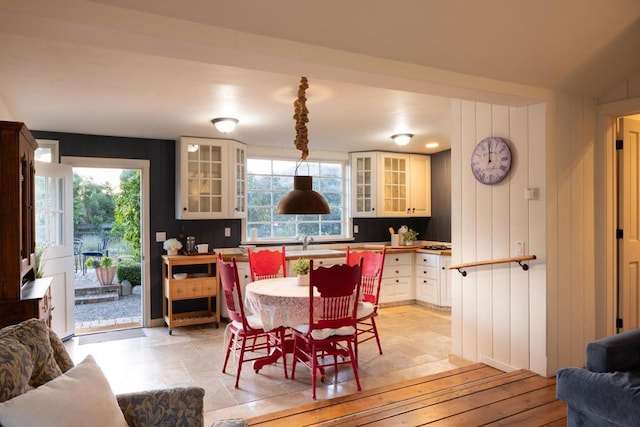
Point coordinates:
[(172, 246), (410, 237), (104, 268), (301, 268)]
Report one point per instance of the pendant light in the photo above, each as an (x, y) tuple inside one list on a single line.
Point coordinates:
[(302, 200)]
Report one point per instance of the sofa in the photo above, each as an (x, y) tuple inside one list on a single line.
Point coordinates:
[(607, 391), (40, 385)]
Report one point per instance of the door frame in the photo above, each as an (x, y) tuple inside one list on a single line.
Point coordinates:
[(606, 218), (143, 165)]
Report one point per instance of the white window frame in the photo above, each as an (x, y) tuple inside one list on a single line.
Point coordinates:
[(277, 153)]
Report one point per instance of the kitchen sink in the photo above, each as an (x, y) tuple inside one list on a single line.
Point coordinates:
[(316, 252)]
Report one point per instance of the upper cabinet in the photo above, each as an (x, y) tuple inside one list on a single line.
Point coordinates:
[(390, 184), (363, 176), (205, 187)]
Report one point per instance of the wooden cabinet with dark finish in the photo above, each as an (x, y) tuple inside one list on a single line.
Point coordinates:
[(18, 288)]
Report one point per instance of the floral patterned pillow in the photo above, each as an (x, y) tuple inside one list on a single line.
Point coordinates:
[(30, 339)]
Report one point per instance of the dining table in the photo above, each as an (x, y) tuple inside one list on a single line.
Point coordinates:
[(280, 301)]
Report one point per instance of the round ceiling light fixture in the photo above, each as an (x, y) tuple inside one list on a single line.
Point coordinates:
[(225, 124), (402, 138)]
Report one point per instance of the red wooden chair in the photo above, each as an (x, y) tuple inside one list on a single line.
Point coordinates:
[(372, 266), (331, 330), (267, 264), (243, 327)]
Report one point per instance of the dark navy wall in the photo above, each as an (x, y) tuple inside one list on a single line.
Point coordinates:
[(161, 156)]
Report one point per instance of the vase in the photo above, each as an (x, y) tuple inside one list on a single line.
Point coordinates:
[(105, 275), (303, 279), (172, 252)]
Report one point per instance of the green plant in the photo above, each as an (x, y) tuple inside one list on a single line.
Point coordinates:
[(410, 235), (129, 271), (92, 263), (106, 262), (301, 266)]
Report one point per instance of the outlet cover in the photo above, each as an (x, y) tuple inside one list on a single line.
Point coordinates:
[(227, 232)]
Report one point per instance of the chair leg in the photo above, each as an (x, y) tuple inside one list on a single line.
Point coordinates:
[(284, 354), (354, 364), (226, 358), (241, 360), (295, 357), (314, 368), (375, 332)]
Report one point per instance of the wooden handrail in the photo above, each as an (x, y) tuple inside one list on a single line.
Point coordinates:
[(517, 259)]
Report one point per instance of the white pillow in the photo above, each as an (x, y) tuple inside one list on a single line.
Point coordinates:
[(80, 397)]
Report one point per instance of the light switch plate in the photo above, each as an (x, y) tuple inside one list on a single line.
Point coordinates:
[(161, 236)]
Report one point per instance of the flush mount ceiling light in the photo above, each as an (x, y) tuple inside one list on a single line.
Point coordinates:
[(302, 200), (225, 124), (402, 138)]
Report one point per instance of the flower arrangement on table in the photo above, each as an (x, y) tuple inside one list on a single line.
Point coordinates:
[(172, 246)]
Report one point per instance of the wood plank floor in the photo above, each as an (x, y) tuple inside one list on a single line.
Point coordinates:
[(470, 396)]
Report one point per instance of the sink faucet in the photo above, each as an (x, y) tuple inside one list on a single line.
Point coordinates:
[(305, 241)]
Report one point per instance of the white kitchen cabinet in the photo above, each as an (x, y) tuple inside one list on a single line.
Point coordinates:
[(432, 279), (363, 176), (386, 184), (205, 187), (419, 185), (238, 182), (397, 278)]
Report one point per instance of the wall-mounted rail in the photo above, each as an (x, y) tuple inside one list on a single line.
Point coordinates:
[(519, 259)]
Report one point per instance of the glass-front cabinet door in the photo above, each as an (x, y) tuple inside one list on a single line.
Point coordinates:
[(238, 185), (395, 185), (201, 178), (363, 177)]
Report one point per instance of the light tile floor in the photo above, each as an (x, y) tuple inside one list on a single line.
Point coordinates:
[(416, 341)]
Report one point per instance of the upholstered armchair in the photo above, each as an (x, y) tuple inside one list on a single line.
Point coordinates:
[(607, 391)]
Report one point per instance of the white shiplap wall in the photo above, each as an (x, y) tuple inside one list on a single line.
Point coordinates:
[(499, 312)]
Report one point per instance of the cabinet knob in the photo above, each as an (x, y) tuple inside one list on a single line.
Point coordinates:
[(184, 209)]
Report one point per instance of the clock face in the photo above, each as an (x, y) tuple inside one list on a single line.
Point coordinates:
[(491, 160)]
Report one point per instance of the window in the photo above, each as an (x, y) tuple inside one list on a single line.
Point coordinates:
[(269, 180)]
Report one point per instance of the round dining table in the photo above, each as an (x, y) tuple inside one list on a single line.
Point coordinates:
[(279, 302)]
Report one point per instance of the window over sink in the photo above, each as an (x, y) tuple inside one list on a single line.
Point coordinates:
[(268, 180)]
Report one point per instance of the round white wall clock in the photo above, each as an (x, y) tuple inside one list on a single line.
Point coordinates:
[(491, 160)]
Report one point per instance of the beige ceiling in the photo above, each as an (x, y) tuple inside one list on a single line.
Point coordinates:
[(163, 68)]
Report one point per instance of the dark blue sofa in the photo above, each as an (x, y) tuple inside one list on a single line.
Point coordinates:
[(607, 391)]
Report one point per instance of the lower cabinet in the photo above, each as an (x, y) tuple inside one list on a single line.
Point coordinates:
[(397, 278), (432, 279), (201, 285)]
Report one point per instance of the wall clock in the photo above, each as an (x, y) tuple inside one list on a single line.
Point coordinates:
[(491, 160)]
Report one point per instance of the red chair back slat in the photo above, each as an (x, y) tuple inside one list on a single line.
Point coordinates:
[(267, 264), (230, 283), (372, 266), (338, 287)]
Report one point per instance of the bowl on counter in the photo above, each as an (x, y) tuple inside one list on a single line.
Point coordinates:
[(180, 276)]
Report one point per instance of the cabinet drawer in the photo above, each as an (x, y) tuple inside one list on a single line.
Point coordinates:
[(395, 271), (193, 288), (427, 271), (395, 289), (398, 259), (427, 259)]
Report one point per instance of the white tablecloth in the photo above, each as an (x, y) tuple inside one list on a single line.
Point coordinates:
[(279, 302)]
